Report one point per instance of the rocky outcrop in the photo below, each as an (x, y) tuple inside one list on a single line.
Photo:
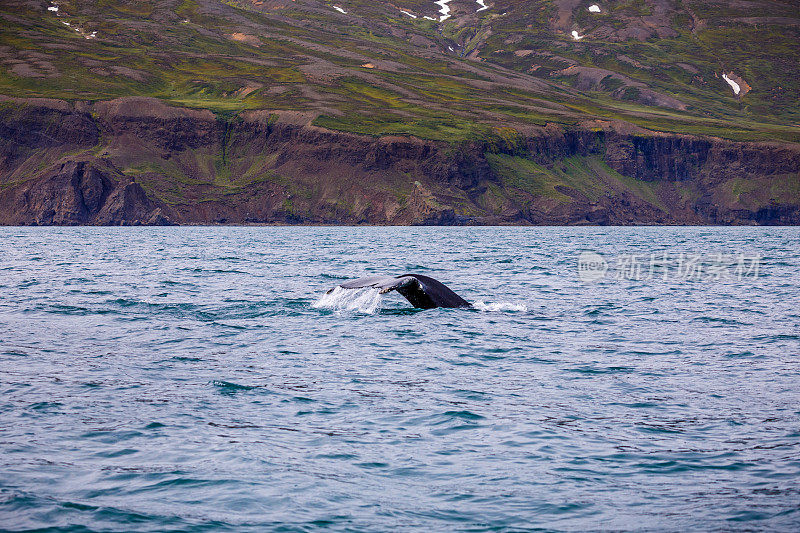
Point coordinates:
[(79, 193), (150, 120), (683, 157), (138, 161)]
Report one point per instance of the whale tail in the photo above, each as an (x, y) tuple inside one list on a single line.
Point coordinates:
[(422, 291)]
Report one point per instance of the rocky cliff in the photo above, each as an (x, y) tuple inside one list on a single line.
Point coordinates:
[(139, 161)]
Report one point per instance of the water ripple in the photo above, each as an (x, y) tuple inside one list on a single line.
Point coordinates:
[(200, 379)]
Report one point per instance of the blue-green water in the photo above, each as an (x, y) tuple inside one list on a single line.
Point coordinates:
[(183, 379)]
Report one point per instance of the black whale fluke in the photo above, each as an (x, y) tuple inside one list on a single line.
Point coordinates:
[(422, 291)]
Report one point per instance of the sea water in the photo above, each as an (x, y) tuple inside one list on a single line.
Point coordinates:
[(199, 379)]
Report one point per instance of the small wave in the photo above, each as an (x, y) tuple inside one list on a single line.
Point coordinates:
[(500, 306), (366, 300), (333, 276), (229, 388)]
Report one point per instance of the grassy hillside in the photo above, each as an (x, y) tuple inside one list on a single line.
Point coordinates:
[(653, 63)]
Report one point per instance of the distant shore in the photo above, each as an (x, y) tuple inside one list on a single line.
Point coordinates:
[(137, 161)]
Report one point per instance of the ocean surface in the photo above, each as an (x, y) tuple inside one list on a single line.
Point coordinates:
[(197, 379)]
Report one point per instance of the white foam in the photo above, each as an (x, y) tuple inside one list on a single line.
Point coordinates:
[(733, 84), (483, 6), (412, 15), (594, 8), (576, 35), (480, 305), (340, 10), (366, 300)]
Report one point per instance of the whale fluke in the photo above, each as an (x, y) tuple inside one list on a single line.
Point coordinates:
[(422, 291)]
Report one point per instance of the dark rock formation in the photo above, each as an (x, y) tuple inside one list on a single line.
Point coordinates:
[(138, 161), (78, 193)]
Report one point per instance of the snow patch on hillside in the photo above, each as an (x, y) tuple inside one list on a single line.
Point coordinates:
[(576, 35), (78, 29), (483, 6), (340, 10), (53, 8), (594, 8), (444, 10), (733, 84)]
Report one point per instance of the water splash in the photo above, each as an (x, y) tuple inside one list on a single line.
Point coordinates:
[(366, 300), (480, 305)]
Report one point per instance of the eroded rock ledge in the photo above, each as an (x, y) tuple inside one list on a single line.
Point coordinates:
[(138, 161)]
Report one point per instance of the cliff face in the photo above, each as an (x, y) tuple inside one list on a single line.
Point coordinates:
[(137, 161), (80, 193)]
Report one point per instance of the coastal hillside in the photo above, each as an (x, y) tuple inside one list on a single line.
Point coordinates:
[(403, 112)]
